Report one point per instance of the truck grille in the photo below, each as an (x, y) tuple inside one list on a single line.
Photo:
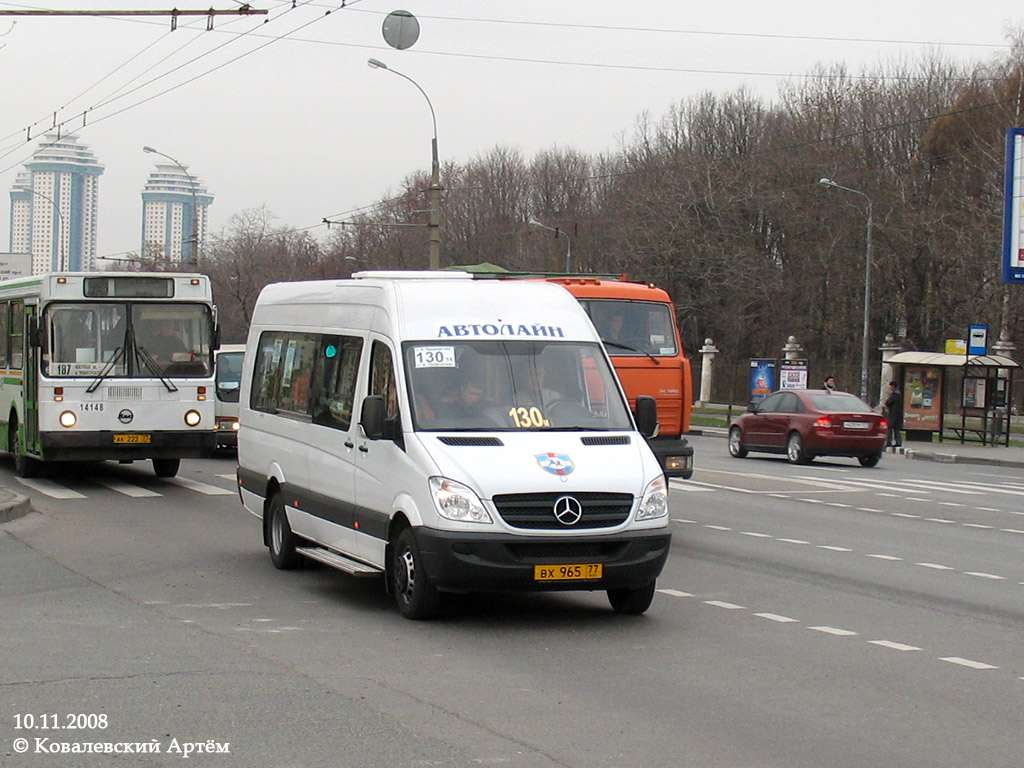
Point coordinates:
[(536, 510)]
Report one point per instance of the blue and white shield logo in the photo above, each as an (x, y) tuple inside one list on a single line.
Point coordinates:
[(555, 463)]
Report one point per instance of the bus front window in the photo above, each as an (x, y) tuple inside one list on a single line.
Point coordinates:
[(84, 338)]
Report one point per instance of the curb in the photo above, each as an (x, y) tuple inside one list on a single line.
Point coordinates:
[(15, 507), (956, 458)]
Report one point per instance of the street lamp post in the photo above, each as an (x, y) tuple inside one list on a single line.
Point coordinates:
[(62, 241), (867, 290), (557, 231), (434, 192), (195, 206)]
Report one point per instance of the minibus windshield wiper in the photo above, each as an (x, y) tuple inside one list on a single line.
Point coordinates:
[(118, 354)]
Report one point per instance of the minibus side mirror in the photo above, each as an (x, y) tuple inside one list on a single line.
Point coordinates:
[(33, 331), (752, 408), (371, 417), (646, 415)]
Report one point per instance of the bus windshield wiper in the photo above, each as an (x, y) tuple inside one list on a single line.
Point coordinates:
[(148, 360), (118, 354), (631, 349)]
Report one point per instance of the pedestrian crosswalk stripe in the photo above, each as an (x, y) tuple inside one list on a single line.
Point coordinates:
[(51, 489), (193, 485), (128, 489)]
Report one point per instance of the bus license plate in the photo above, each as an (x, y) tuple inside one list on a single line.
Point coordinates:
[(132, 438), (578, 572)]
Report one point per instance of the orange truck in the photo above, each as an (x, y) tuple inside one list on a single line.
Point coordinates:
[(637, 324)]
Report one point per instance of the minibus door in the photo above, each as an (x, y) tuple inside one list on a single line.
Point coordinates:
[(378, 458)]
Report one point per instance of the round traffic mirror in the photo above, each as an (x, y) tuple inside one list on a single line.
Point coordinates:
[(401, 30)]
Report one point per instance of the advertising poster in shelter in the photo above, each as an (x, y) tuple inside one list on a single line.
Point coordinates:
[(922, 398), (762, 379)]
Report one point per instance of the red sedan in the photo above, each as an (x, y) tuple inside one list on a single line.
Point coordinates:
[(804, 423)]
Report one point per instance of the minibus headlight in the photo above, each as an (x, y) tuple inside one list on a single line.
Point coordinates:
[(654, 503), (68, 419), (457, 502), (192, 418)]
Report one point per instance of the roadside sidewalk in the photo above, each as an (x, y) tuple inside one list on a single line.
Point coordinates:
[(943, 453)]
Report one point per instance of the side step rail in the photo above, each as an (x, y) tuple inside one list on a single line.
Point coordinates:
[(342, 563)]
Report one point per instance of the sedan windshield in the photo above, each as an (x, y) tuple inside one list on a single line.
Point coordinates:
[(512, 385)]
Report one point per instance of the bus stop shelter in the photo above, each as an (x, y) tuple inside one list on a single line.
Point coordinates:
[(981, 386)]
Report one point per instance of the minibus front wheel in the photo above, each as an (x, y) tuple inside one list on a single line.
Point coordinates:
[(632, 602), (417, 598)]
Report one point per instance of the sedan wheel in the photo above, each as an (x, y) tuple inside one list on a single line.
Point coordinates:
[(736, 449), (870, 460), (795, 449)]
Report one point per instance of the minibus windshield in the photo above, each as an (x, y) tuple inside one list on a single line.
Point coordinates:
[(513, 386)]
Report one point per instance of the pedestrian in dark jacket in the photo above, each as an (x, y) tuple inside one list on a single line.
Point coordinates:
[(830, 384), (893, 410)]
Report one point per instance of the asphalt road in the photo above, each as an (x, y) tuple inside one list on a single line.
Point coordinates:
[(825, 615)]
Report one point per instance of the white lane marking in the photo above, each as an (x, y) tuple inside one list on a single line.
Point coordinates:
[(884, 557), (951, 504), (982, 575), (935, 566), (834, 549), (812, 501), (914, 498), (940, 520), (1010, 530), (814, 483), (906, 515), (834, 631), (776, 617), (894, 646), (232, 477), (794, 541), (727, 606), (979, 525), (683, 520), (193, 485), (988, 509), (717, 527), (755, 535), (869, 509), (837, 504), (675, 593), (128, 489), (967, 662), (990, 488), (889, 495), (689, 486), (51, 489)]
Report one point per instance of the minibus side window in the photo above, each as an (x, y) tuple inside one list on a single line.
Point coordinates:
[(338, 360), (283, 372)]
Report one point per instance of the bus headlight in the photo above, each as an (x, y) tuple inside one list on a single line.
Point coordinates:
[(192, 418), (457, 502), (654, 503), (68, 419)]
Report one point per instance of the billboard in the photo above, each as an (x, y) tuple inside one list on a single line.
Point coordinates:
[(1013, 208), (922, 398), (15, 265), (793, 374)]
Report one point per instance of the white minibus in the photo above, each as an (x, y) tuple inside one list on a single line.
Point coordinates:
[(454, 435)]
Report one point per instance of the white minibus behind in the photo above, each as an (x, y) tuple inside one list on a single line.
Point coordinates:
[(454, 435)]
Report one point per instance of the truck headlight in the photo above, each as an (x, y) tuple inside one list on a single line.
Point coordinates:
[(654, 503), (457, 502)]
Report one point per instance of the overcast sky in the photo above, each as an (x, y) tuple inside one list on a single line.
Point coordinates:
[(282, 110)]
